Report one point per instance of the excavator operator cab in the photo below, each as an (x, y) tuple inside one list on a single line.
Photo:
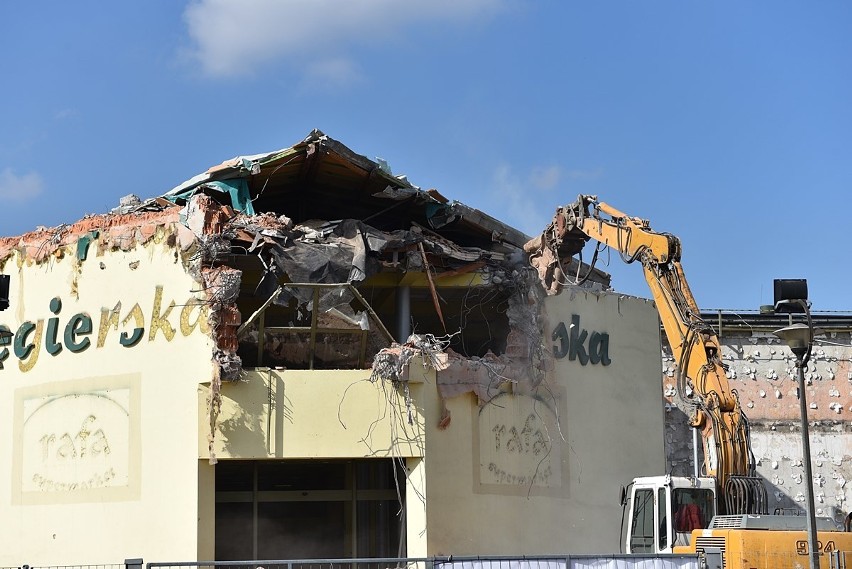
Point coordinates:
[(663, 511)]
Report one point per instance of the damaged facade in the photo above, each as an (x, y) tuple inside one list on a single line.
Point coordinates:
[(299, 354), (762, 370)]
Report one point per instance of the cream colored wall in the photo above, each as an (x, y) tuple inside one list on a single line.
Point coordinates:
[(280, 414), (553, 488), (416, 526), (100, 446), (552, 484), (206, 511), (312, 414)]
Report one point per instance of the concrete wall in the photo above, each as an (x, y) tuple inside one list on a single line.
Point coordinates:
[(281, 414), (538, 470), (99, 449), (312, 414), (763, 372), (535, 470)]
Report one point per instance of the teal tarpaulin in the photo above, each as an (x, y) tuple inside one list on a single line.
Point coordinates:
[(236, 188)]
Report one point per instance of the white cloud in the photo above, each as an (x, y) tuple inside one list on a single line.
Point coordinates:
[(528, 201), (66, 114), (331, 74), (585, 174), (235, 37), (546, 178), (521, 208), (19, 188)]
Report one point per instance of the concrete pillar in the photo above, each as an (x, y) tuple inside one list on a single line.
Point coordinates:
[(415, 508), (403, 313)]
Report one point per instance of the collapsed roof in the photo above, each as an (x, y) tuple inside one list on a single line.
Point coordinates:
[(264, 231), (316, 257), (320, 178), (330, 217)]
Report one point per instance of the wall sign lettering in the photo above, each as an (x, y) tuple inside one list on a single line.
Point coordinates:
[(518, 444), (73, 335), (579, 345), (77, 441)]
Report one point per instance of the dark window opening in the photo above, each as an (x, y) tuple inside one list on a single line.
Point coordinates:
[(345, 334), (311, 327), (476, 315), (344, 327), (300, 509)]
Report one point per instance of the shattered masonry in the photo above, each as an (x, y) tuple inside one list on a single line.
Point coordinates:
[(305, 256)]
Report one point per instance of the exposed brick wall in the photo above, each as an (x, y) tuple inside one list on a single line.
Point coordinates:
[(762, 371)]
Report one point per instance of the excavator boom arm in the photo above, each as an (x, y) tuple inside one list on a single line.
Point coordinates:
[(702, 380)]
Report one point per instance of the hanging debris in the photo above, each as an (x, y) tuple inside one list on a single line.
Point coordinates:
[(391, 364)]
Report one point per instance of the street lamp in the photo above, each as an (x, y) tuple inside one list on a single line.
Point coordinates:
[(791, 295)]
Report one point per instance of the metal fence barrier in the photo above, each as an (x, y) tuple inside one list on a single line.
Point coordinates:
[(834, 560), (491, 562), (124, 565)]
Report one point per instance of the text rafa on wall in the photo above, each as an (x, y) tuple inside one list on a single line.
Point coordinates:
[(75, 334)]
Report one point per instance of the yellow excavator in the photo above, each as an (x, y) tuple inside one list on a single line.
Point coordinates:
[(723, 514)]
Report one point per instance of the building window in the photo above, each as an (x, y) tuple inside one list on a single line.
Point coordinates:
[(304, 509)]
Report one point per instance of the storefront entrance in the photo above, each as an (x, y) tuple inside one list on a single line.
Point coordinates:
[(303, 509)]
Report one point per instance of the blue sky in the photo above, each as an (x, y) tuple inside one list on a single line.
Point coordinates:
[(726, 123)]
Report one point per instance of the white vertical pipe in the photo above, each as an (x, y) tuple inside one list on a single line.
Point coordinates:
[(695, 443)]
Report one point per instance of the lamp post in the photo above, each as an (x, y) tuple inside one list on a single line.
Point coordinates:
[(800, 338)]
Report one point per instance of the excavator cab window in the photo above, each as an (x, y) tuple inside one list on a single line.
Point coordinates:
[(663, 541), (642, 526), (693, 509)]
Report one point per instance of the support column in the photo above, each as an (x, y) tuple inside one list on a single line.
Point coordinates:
[(403, 313), (206, 547), (415, 508)]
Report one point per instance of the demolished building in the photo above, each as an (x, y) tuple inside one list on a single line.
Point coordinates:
[(299, 354)]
